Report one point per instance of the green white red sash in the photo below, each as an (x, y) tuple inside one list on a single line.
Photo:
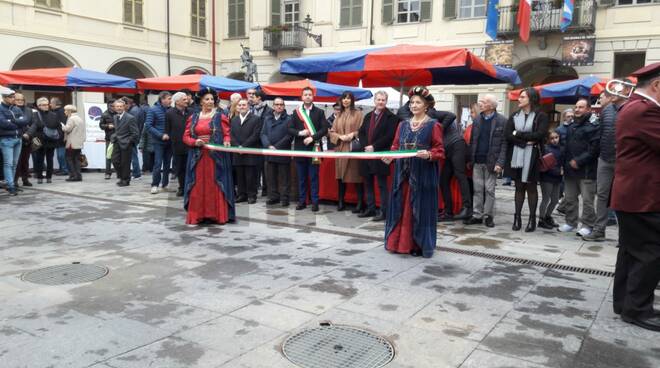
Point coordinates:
[(304, 117), (314, 154)]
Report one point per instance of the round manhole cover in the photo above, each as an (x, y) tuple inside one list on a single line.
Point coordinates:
[(65, 274), (337, 346)]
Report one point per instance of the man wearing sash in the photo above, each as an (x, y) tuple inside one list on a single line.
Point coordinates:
[(308, 125)]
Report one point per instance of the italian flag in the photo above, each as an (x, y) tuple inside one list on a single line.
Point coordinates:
[(524, 19)]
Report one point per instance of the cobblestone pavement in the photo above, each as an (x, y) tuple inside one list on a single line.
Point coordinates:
[(228, 296)]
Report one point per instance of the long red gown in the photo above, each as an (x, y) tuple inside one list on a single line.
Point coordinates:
[(206, 199), (401, 238)]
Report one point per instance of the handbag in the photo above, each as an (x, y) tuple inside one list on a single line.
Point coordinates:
[(36, 144), (547, 161), (83, 160), (51, 133), (356, 145)]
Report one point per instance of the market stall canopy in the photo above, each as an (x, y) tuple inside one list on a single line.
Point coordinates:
[(324, 92), (567, 91), (194, 82), (400, 66), (67, 78)]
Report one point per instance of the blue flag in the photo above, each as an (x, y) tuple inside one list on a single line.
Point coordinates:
[(566, 15), (493, 18)]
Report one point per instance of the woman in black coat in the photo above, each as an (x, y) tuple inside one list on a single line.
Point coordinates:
[(526, 132), (55, 137)]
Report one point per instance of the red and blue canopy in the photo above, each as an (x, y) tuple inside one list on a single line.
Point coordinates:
[(72, 78), (324, 92), (194, 82), (400, 66), (567, 91)]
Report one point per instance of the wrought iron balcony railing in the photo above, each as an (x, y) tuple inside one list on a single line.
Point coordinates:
[(546, 17), (281, 38)]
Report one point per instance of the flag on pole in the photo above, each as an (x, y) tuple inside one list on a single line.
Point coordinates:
[(524, 19), (493, 18), (567, 14)]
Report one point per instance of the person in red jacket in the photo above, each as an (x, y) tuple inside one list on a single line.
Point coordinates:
[(636, 199)]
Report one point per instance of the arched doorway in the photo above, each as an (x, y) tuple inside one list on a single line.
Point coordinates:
[(195, 70), (44, 58), (544, 70), (237, 76), (277, 77), (131, 68)]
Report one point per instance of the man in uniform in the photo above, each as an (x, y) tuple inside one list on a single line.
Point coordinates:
[(636, 199)]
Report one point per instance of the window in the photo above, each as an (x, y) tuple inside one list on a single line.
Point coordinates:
[(626, 63), (198, 18), (350, 13), (275, 12), (291, 12), (236, 18), (406, 11), (133, 12), (56, 4), (472, 8), (633, 2)]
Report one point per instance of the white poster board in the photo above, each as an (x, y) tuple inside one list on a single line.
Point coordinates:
[(94, 147)]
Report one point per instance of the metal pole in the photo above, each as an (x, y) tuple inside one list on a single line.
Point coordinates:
[(213, 56), (169, 54)]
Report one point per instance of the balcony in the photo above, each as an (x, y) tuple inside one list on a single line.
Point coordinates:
[(546, 17), (278, 38)]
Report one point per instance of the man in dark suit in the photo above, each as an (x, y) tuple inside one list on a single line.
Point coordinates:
[(125, 137), (636, 199), (308, 126), (245, 132), (175, 125), (376, 134), (107, 125), (275, 135)]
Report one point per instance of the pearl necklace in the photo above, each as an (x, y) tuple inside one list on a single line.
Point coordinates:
[(415, 125)]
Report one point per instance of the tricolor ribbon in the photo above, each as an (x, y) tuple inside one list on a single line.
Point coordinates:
[(312, 154)]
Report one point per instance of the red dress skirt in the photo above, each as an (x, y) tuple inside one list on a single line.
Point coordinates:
[(207, 202), (401, 238)]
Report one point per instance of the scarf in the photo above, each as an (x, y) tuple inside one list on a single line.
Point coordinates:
[(522, 157)]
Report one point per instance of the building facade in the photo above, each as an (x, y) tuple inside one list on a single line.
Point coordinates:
[(148, 38)]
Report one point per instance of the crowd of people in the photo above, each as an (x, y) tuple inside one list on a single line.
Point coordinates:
[(589, 158)]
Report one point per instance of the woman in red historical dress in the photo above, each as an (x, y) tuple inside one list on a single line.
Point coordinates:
[(209, 188), (412, 214)]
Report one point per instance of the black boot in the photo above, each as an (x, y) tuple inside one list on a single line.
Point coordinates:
[(550, 221), (517, 222), (531, 224), (360, 200), (543, 224), (342, 192)]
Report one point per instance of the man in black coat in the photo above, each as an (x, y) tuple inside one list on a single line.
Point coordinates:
[(245, 132), (376, 134), (125, 137), (108, 126), (175, 125), (57, 107), (308, 138), (275, 135), (580, 155), (22, 169)]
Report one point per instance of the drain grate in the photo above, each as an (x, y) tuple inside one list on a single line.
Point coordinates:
[(337, 346), (554, 266), (74, 273)]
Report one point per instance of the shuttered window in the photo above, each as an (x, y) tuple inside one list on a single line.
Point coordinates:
[(350, 13), (198, 18), (55, 4), (236, 21), (133, 12), (275, 12)]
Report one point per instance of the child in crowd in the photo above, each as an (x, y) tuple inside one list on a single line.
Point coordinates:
[(550, 183)]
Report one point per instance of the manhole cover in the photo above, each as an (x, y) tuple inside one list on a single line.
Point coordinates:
[(65, 274), (337, 346)]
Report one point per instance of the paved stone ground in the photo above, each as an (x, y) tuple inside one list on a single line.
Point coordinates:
[(227, 296)]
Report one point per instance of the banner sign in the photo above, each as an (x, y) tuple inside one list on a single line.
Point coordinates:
[(500, 53), (92, 115), (578, 50)]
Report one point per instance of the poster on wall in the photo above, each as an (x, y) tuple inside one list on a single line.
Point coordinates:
[(500, 53), (578, 50), (94, 147), (93, 112)]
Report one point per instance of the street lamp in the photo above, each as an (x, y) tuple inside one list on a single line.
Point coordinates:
[(307, 27)]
